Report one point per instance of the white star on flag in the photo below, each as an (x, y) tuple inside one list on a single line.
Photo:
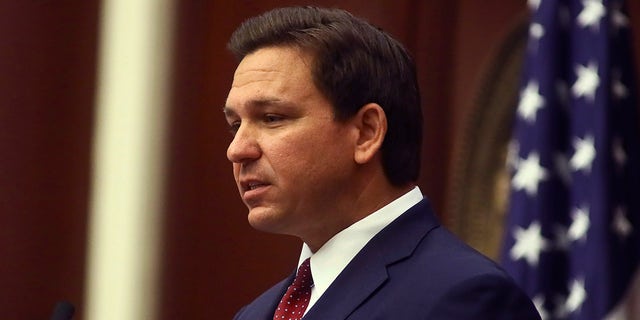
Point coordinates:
[(538, 302), (534, 4), (530, 101), (536, 31), (580, 224), (529, 243), (618, 88), (621, 224), (591, 14), (529, 173), (619, 155), (619, 19), (585, 153), (587, 81), (577, 296)]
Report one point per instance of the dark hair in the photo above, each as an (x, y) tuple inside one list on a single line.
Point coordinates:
[(354, 63)]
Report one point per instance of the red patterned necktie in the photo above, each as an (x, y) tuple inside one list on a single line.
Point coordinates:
[(296, 300)]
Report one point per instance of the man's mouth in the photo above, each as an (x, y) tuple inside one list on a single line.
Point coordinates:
[(252, 185), (256, 185), (253, 191)]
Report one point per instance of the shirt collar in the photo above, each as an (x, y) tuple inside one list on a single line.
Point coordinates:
[(329, 261)]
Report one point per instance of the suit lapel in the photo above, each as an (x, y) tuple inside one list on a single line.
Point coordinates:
[(342, 297), (368, 269)]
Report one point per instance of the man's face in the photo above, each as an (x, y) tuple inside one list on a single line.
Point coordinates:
[(292, 161)]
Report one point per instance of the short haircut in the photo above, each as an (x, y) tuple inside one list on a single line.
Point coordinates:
[(354, 63)]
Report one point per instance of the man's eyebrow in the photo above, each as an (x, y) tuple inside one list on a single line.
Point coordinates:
[(228, 111), (257, 104)]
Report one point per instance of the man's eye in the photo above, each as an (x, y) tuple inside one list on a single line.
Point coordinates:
[(271, 118), (234, 127)]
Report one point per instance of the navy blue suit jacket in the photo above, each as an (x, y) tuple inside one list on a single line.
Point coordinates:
[(412, 269)]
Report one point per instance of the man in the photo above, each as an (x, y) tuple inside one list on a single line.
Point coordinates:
[(325, 113)]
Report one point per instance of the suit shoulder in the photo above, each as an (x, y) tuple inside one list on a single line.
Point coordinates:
[(444, 251), (442, 262), (451, 280), (487, 296)]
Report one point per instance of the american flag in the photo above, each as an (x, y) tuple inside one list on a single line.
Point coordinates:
[(572, 238)]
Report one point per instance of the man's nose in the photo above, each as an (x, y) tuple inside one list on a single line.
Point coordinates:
[(244, 146)]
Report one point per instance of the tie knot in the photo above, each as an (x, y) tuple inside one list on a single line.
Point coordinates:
[(304, 279)]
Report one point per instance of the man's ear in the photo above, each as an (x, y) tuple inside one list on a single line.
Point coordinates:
[(371, 122)]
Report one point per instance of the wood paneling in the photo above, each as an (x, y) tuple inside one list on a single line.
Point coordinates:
[(47, 73)]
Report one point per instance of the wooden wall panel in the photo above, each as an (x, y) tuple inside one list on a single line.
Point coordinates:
[(47, 73)]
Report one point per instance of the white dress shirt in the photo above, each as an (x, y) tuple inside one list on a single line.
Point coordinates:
[(329, 261)]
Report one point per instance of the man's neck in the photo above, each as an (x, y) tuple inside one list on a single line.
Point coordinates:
[(368, 202)]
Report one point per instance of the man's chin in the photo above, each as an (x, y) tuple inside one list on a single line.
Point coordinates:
[(265, 219)]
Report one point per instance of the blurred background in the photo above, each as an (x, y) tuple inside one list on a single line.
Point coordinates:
[(204, 261)]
